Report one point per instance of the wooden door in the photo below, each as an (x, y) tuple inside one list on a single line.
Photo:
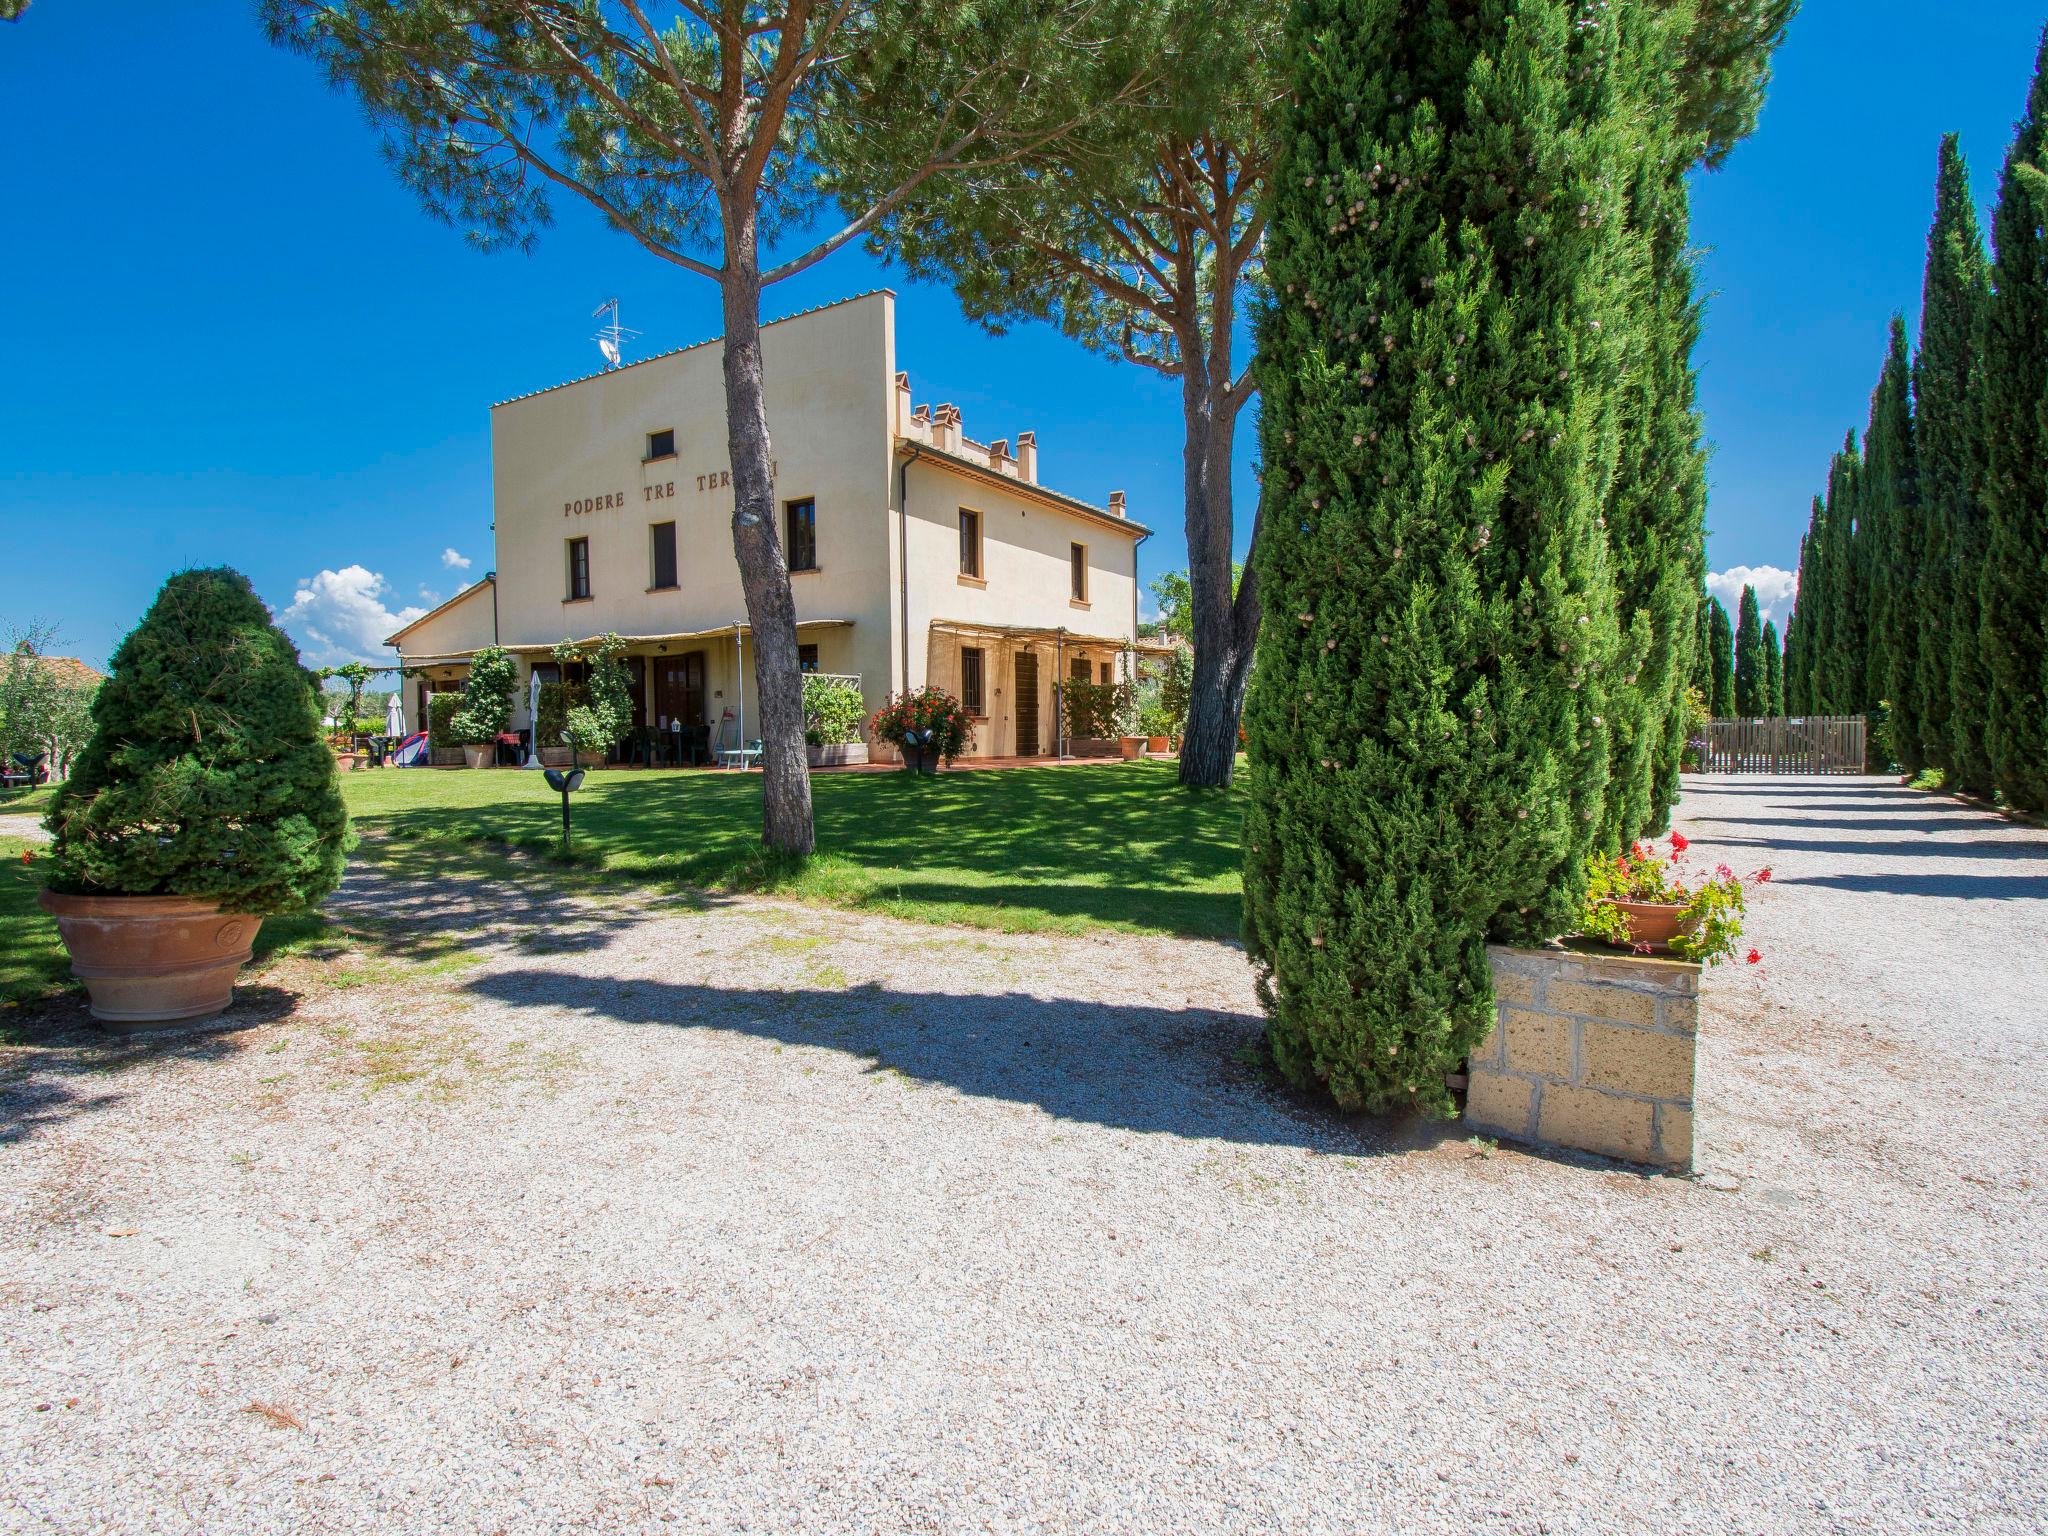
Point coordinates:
[(1026, 693), (679, 689)]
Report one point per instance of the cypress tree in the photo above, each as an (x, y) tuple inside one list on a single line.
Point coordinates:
[(1774, 672), (1702, 647), (1450, 262), (1953, 684), (1840, 667), (1793, 686), (207, 774), (1751, 684), (1891, 504), (1812, 602), (1656, 514), (2013, 421), (1721, 661)]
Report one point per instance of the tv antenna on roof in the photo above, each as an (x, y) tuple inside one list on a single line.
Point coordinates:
[(611, 337)]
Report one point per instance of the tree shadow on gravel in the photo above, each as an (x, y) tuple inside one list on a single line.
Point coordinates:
[(1954, 887), (2005, 850), (60, 1065), (1154, 1070), (1855, 823)]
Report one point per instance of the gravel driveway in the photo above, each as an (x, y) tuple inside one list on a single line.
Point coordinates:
[(754, 1217)]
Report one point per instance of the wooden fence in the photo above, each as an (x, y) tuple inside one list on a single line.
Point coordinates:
[(1812, 744)]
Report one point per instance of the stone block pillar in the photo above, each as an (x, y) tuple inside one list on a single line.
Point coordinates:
[(1592, 1051)]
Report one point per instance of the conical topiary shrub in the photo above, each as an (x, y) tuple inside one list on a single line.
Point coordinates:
[(206, 775)]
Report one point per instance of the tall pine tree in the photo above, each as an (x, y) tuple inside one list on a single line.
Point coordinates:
[(2013, 422), (1752, 685), (1451, 262), (1720, 661), (1891, 509), (1774, 672), (1953, 684)]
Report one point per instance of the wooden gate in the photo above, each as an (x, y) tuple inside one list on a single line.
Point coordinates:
[(1803, 744)]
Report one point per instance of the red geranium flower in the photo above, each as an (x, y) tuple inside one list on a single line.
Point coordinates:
[(1680, 842), (1754, 956), (1762, 876)]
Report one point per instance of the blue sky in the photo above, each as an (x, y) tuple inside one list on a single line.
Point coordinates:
[(232, 336)]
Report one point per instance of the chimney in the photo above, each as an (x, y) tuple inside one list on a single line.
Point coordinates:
[(1116, 504), (902, 403), (921, 424), (1027, 456), (946, 429), (999, 458)]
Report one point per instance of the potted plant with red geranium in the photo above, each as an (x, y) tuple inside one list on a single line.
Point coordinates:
[(927, 726), (1646, 901)]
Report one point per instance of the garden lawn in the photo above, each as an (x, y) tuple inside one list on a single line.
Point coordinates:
[(32, 960), (1116, 845)]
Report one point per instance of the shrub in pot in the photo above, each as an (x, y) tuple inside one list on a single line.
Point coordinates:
[(206, 800), (927, 725), (486, 704)]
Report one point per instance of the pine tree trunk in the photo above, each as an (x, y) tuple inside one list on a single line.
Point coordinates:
[(764, 574), (1225, 624)]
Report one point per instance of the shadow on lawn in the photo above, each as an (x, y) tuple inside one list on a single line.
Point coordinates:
[(1122, 845), (1142, 1069)]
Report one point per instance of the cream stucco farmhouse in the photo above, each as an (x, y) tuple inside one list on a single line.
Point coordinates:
[(917, 554)]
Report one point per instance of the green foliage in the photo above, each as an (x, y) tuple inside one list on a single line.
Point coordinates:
[(42, 712), (1952, 683), (1176, 683), (833, 709), (442, 708), (1441, 377), (486, 710), (551, 711), (596, 713), (1720, 660), (1751, 681), (2012, 356), (355, 675), (1099, 709), (206, 774)]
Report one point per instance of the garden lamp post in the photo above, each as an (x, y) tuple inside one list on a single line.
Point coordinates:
[(565, 784)]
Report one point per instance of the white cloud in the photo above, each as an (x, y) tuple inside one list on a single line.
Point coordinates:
[(1775, 590), (453, 561), (340, 616), (429, 596)]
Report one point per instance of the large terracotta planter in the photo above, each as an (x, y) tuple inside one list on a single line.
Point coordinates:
[(1655, 923), (1091, 746), (1157, 745), (1132, 747), (152, 959), (349, 762), (479, 757)]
